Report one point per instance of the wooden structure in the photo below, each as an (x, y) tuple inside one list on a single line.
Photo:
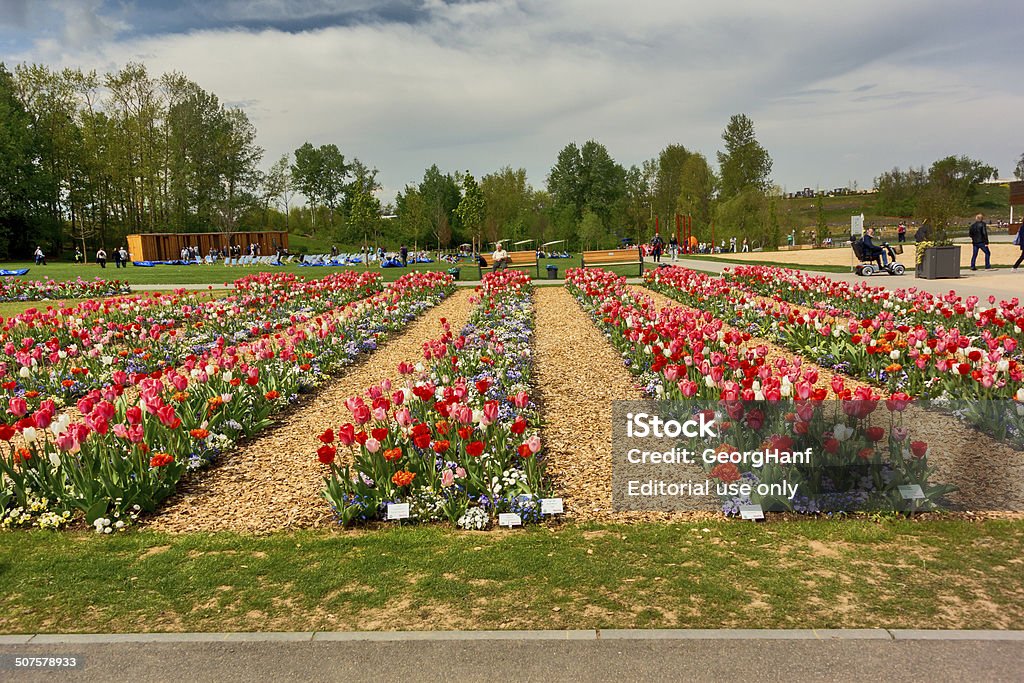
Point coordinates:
[(167, 246), (1016, 199), (613, 257), (517, 259)]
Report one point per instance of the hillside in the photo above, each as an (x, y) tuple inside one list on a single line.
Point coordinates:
[(992, 200)]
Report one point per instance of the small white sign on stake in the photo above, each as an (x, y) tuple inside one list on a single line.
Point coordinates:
[(398, 511), (753, 512), (911, 492), (509, 519), (551, 506), (857, 225)]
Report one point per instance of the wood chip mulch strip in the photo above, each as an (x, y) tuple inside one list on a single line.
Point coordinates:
[(579, 374), (274, 482), (989, 473)]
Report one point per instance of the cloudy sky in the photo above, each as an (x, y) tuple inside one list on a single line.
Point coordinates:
[(838, 91)]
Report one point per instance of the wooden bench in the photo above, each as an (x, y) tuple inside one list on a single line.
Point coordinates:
[(613, 257), (516, 259)]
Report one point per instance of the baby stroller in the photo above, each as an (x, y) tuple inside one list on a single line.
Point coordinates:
[(873, 265)]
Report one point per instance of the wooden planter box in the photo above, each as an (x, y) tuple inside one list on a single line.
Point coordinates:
[(939, 263)]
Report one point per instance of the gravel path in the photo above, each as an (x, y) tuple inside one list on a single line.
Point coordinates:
[(274, 482), (579, 376)]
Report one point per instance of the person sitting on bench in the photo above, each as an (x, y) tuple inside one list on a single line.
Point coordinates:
[(500, 257), (873, 252)]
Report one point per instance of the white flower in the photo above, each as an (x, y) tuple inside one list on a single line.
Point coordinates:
[(842, 432), (30, 434), (894, 354), (24, 373)]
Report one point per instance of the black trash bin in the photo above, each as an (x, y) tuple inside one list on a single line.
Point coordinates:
[(552, 272), (454, 272)]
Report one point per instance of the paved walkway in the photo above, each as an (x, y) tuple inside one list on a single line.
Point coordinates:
[(871, 654), (999, 282)]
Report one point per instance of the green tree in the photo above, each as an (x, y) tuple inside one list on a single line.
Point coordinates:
[(22, 188), (238, 171), (278, 188), (507, 201), (586, 178), (320, 174), (821, 226), (744, 163), (472, 207), (745, 215), (1018, 171), (414, 219), (364, 206), (639, 198), (441, 194), (898, 191), (591, 231), (668, 181), (696, 198)]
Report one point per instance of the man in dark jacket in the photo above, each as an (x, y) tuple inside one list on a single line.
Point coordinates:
[(979, 240), (872, 250)]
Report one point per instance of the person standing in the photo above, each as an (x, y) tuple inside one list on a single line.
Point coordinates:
[(1019, 241), (101, 257), (404, 251), (746, 245), (979, 241), (124, 256), (78, 255), (40, 256), (117, 257), (901, 232)]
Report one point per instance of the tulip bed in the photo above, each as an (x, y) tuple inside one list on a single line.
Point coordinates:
[(63, 353), (953, 352), (141, 431), (458, 440), (12, 289), (691, 357)]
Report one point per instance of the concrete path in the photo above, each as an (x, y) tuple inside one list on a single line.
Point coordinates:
[(999, 282), (616, 656)]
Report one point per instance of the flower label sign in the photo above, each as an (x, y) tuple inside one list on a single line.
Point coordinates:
[(911, 492), (509, 519), (551, 506), (398, 511), (752, 512)]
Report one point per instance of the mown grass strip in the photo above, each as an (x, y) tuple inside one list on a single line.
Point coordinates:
[(808, 574)]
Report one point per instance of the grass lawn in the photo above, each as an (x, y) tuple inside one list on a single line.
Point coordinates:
[(214, 274), (844, 573), (820, 268)]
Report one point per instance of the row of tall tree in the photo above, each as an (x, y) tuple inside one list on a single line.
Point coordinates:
[(88, 157), (592, 201)]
